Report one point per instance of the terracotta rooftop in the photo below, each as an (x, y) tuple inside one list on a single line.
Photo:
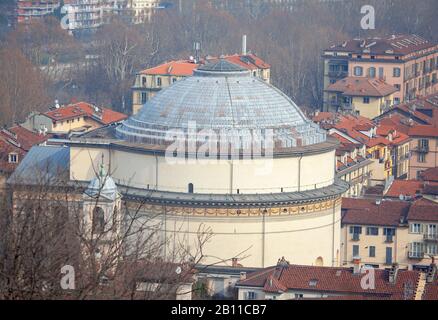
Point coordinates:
[(104, 115), (173, 68), (423, 131), (390, 45), (330, 280), (404, 187), (362, 86), (17, 140), (430, 174), (185, 68), (367, 212), (424, 210)]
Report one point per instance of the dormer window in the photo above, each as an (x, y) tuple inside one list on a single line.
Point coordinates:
[(13, 158)]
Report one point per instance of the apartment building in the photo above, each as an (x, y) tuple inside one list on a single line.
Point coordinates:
[(363, 96), (352, 166), (148, 82), (385, 147), (384, 232), (142, 10), (407, 62), (75, 118), (290, 282), (15, 142), (28, 10), (424, 146)]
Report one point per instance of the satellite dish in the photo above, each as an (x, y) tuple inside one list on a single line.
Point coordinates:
[(401, 197), (178, 270)]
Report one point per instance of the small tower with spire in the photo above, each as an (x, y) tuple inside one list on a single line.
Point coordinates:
[(102, 208)]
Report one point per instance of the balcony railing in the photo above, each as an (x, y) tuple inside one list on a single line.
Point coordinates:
[(431, 236), (422, 149), (389, 238), (337, 74), (355, 237), (415, 255)]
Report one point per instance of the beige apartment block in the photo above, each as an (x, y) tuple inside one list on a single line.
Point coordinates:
[(407, 62), (384, 232)]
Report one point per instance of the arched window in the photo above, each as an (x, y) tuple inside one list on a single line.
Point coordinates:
[(190, 187), (98, 220), (358, 71), (319, 262)]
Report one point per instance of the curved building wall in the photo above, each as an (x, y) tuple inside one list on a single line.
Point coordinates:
[(306, 237), (141, 170)]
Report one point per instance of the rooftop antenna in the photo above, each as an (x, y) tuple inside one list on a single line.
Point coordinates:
[(244, 45), (197, 49)]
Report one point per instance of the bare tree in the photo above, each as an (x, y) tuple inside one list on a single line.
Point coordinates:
[(47, 225)]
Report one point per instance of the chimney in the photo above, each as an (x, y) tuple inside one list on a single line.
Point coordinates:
[(393, 273), (431, 272), (234, 262), (244, 45), (242, 276), (356, 265)]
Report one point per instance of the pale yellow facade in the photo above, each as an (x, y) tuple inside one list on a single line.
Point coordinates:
[(256, 236), (207, 176), (402, 251)]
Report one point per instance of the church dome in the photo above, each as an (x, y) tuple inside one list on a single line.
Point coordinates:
[(221, 96), (102, 186)]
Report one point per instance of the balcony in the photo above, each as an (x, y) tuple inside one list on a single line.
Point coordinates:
[(337, 74), (415, 255), (422, 149), (430, 236), (389, 238)]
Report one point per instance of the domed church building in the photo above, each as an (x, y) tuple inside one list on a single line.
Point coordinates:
[(226, 151)]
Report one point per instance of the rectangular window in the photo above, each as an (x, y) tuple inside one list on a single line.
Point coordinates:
[(159, 82), (415, 228), (397, 86), (372, 251), (356, 229), (13, 158), (421, 158), (251, 295), (143, 97), (358, 71), (432, 249), (355, 250), (372, 231), (388, 231), (396, 72), (381, 73), (388, 257), (366, 100)]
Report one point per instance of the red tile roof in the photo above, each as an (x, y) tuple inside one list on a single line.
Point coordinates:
[(105, 116), (430, 174), (404, 187), (431, 291), (424, 210), (331, 280), (173, 68), (423, 131), (361, 86), (25, 138), (17, 140), (249, 61), (391, 45), (367, 212), (185, 68), (323, 116)]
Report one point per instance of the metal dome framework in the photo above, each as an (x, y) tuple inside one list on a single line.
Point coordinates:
[(224, 98)]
